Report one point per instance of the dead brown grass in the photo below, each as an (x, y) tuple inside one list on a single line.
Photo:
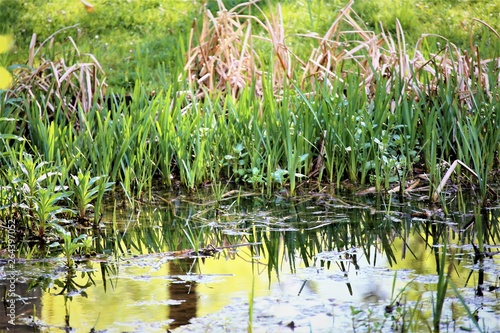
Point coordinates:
[(49, 84), (221, 59), (349, 47)]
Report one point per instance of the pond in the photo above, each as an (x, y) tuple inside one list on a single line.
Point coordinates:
[(243, 262)]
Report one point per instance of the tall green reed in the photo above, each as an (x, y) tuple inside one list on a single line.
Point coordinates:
[(479, 134), (335, 136), (340, 131), (164, 131)]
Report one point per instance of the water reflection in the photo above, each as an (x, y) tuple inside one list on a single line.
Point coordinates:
[(182, 291), (19, 299), (149, 275)]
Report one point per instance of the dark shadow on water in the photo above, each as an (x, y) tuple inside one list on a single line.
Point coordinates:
[(184, 292), (19, 300)]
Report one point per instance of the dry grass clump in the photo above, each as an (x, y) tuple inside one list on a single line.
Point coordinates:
[(222, 59), (52, 84), (348, 47)]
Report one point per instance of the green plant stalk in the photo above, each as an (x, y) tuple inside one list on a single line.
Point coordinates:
[(463, 302), (103, 187)]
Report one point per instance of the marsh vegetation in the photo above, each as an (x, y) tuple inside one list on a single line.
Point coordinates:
[(244, 110)]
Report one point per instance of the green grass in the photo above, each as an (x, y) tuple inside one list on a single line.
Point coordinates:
[(268, 145), (132, 39), (124, 36)]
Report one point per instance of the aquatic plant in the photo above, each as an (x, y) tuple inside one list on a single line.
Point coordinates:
[(251, 298), (86, 190), (384, 129), (444, 272), (408, 79), (35, 194), (38, 198), (45, 208), (359, 108), (70, 245)]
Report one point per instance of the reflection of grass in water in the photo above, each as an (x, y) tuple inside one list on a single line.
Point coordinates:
[(290, 232), (373, 235)]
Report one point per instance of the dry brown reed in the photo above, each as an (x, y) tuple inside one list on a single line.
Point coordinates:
[(221, 59), (50, 84), (349, 47)]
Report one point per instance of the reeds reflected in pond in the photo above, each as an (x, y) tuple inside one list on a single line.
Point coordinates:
[(187, 257)]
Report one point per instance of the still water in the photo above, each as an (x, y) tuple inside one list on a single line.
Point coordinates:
[(320, 262)]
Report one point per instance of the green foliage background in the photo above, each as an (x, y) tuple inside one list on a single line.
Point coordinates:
[(152, 33)]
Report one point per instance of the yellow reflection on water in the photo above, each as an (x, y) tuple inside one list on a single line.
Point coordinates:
[(144, 294), (153, 292), (236, 281), (131, 299)]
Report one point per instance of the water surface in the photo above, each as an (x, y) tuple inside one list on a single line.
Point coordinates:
[(320, 262)]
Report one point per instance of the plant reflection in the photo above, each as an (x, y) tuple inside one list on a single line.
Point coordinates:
[(74, 282), (182, 291), (319, 232), (287, 230)]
